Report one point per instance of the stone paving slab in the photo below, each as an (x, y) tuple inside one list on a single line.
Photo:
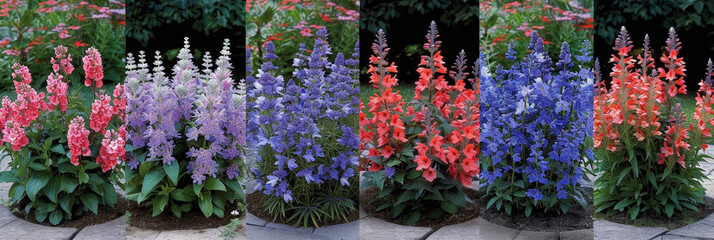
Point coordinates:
[(6, 216), (255, 232), (492, 231), (26, 230), (288, 227), (671, 237), (583, 234), (4, 190), (135, 233), (253, 220), (371, 228), (694, 230), (465, 230), (115, 229), (347, 231), (532, 235), (610, 230)]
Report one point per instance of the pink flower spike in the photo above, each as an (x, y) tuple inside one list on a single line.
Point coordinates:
[(78, 140), (93, 68)]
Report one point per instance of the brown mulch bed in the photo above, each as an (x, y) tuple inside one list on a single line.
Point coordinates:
[(370, 203), (576, 218), (652, 219), (256, 208), (194, 219), (104, 214)]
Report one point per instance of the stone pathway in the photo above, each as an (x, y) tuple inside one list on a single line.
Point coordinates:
[(703, 229), (133, 233)]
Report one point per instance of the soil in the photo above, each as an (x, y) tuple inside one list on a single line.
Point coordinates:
[(652, 219), (576, 217), (104, 214), (194, 219), (256, 208), (471, 211)]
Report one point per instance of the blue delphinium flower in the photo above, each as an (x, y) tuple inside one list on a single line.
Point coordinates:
[(535, 119)]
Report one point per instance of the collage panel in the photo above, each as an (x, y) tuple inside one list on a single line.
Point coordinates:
[(302, 119), (62, 114), (419, 120), (186, 118), (653, 120), (536, 119)]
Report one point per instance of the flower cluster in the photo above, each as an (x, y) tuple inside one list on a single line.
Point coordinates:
[(536, 118), (93, 68), (302, 128), (78, 140), (641, 128), (207, 106), (436, 135), (60, 145)]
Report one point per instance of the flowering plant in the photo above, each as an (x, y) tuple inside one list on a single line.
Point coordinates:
[(650, 157), (558, 21), (186, 134), (289, 22), (29, 30), (536, 126), (426, 154), (304, 131), (58, 168)]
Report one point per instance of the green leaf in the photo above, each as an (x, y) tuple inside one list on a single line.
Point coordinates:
[(176, 210), (669, 209), (52, 188), (172, 171), (214, 184), (150, 180), (38, 166), (623, 173), (181, 195), (37, 181), (90, 201), (159, 204), (449, 207), (236, 187), (206, 204), (623, 203), (58, 148), (56, 216), (69, 183), (110, 194), (529, 209), (406, 196), (66, 202), (412, 218)]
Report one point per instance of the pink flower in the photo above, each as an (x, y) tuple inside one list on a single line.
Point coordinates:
[(112, 149), (11, 52), (22, 72), (306, 32), (74, 27), (119, 102), (78, 140), (102, 113), (15, 135), (63, 61), (58, 89), (93, 67)]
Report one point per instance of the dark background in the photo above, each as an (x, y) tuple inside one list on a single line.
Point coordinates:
[(168, 39), (693, 24), (406, 23)]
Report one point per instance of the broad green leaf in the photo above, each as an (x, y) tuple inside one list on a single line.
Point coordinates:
[(214, 184), (37, 181), (150, 180), (206, 204), (172, 171)]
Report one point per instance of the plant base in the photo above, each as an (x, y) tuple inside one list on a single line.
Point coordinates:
[(649, 219), (141, 218), (104, 214), (255, 207), (370, 203)]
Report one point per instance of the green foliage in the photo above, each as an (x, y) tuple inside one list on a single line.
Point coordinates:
[(500, 22), (206, 16), (459, 12), (281, 23), (680, 14), (164, 187)]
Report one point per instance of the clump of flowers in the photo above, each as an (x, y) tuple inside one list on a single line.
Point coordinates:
[(536, 122), (304, 131), (187, 132), (426, 150), (55, 173), (650, 153)]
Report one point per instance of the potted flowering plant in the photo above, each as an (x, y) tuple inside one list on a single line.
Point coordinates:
[(650, 155), (186, 135), (58, 167), (424, 151), (304, 132)]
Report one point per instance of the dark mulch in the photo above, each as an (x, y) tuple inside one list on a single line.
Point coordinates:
[(652, 219), (576, 218), (194, 219), (255, 207), (370, 203), (104, 214)]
